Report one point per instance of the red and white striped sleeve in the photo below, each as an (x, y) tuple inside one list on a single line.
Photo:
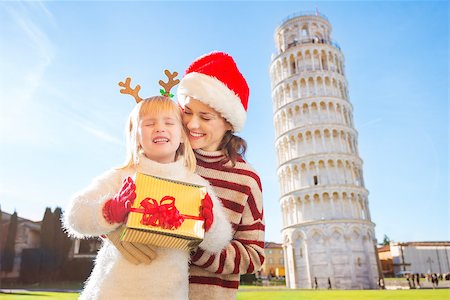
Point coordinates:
[(245, 253)]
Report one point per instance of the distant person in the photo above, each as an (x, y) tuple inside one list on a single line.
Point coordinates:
[(381, 283), (418, 280), (329, 283), (434, 280), (316, 285), (408, 279)]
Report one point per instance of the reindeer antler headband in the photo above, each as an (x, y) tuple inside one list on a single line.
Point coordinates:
[(164, 92)]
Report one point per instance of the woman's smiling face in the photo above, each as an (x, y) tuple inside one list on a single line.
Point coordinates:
[(206, 127)]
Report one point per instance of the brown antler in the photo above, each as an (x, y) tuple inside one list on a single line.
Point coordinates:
[(171, 83), (128, 90)]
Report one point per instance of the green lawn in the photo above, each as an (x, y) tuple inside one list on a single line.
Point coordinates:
[(39, 295), (271, 293), (259, 293)]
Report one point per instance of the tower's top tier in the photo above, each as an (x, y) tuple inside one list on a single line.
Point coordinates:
[(303, 28)]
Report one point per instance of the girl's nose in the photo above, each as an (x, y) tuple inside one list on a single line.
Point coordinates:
[(160, 128)]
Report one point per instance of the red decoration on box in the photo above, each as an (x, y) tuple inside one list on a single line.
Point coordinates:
[(163, 214)]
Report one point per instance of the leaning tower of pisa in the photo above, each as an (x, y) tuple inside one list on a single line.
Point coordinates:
[(328, 236)]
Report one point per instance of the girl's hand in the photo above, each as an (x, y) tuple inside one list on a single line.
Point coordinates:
[(117, 209), (206, 211)]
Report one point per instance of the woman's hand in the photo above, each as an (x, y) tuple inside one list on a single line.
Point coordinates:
[(117, 209)]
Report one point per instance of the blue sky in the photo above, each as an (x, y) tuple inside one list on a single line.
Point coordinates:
[(62, 116)]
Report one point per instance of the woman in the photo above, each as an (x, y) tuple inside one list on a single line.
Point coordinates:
[(214, 95)]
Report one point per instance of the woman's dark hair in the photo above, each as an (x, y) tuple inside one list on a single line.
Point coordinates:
[(234, 146)]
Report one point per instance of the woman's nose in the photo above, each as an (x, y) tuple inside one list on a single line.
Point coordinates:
[(192, 123)]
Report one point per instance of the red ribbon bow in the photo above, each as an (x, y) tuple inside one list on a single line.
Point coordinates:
[(164, 214)]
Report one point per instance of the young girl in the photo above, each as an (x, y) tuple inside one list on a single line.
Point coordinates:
[(158, 146)]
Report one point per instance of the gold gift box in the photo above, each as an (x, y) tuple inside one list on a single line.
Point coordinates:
[(188, 199)]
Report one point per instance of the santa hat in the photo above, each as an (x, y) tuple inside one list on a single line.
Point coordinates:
[(215, 80)]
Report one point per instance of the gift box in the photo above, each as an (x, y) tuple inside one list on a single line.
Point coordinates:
[(165, 213)]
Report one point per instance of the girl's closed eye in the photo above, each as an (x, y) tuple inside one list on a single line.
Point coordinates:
[(169, 121)]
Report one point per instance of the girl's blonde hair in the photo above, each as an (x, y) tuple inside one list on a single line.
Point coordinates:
[(155, 105)]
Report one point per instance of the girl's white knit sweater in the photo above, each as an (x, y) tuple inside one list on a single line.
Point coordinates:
[(113, 277)]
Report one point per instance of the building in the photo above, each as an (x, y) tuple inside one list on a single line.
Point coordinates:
[(327, 230), (85, 248), (420, 257), (27, 237), (273, 265), (385, 257), (28, 257)]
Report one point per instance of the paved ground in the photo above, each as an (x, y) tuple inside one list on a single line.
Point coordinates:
[(391, 284), (402, 283)]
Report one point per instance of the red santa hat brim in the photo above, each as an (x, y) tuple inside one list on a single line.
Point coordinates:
[(215, 93)]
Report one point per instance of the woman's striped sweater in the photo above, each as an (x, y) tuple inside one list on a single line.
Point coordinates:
[(239, 189)]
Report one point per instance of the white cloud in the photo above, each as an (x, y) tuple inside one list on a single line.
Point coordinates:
[(101, 134), (29, 105), (34, 33), (25, 59), (371, 123)]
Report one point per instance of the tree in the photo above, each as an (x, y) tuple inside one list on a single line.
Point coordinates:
[(386, 240), (8, 252), (62, 242), (1, 225), (48, 245)]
